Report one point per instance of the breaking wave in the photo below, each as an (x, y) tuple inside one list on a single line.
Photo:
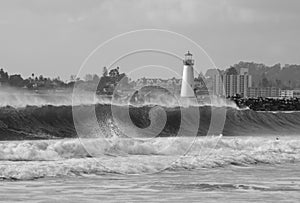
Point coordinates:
[(248, 137), (34, 122), (51, 158)]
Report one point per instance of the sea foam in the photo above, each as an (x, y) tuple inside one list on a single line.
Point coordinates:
[(73, 157)]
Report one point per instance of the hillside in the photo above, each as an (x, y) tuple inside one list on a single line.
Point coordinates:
[(276, 75)]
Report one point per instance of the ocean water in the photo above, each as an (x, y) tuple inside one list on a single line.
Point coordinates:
[(107, 152), (227, 169), (267, 183)]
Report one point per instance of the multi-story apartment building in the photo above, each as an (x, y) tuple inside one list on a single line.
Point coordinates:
[(218, 86), (263, 92), (232, 84), (290, 93)]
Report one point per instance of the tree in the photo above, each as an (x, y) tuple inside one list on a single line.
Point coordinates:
[(3, 75), (88, 77), (114, 73), (96, 78), (231, 71), (265, 82), (72, 78), (105, 71), (16, 81), (201, 79), (123, 80), (41, 78), (278, 83)]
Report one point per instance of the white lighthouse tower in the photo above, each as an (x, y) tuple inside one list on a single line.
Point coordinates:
[(187, 85)]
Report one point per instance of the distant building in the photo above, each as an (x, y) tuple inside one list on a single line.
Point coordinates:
[(263, 92), (272, 92), (237, 84), (210, 73), (296, 93), (172, 84), (218, 86), (290, 93), (286, 93), (230, 83)]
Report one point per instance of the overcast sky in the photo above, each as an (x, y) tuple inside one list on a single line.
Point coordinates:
[(53, 37)]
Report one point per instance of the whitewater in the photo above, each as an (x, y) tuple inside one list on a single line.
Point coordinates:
[(256, 155), (22, 160), (228, 168)]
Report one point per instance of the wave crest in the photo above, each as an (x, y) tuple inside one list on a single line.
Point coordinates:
[(46, 122)]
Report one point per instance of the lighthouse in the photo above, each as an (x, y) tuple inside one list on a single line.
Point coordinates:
[(187, 85)]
